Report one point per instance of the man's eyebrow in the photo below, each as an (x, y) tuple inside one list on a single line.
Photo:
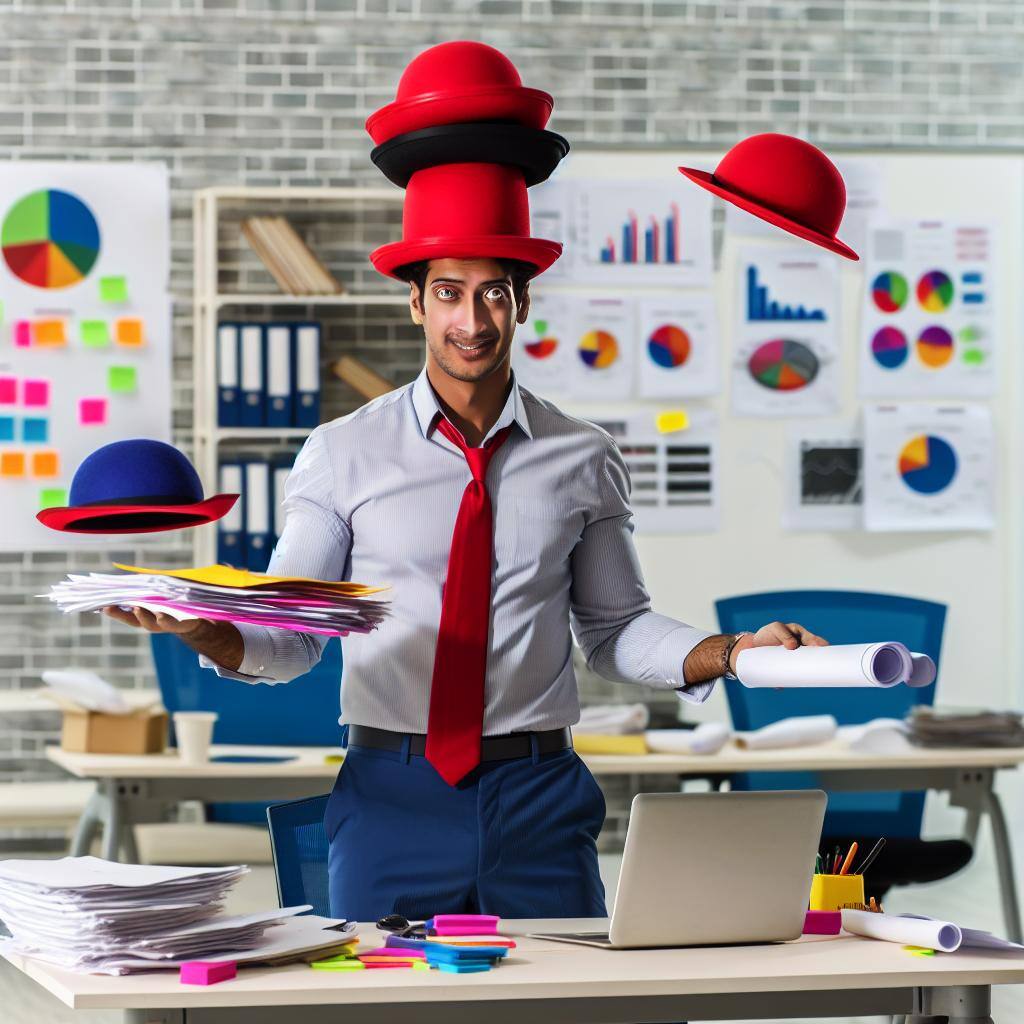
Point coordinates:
[(458, 280)]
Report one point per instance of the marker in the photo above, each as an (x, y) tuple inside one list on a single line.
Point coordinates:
[(835, 860), (870, 858), (849, 858)]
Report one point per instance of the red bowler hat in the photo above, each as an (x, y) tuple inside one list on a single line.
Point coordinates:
[(466, 211), (459, 81), (785, 181)]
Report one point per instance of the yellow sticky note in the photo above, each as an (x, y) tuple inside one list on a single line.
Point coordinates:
[(49, 332), (128, 331), (12, 464), (667, 422), (113, 289)]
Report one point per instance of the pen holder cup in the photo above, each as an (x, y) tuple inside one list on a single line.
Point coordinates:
[(833, 892)]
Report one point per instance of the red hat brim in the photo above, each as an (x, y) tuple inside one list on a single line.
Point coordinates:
[(530, 107), (129, 518), (766, 213), (539, 251)]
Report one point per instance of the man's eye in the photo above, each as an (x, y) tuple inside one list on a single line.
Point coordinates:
[(496, 294), (440, 292)]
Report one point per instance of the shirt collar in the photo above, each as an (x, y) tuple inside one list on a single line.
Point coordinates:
[(428, 410)]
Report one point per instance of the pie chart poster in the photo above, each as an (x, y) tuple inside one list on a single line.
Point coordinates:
[(85, 328), (928, 467)]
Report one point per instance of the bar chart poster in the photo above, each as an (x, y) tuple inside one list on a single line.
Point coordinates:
[(603, 339), (85, 328), (927, 322), (542, 347), (550, 218), (642, 232), (786, 360), (929, 467), (677, 346)]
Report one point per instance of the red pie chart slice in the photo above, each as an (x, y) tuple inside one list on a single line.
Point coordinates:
[(29, 262)]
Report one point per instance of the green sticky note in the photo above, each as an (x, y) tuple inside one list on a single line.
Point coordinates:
[(53, 497), (113, 289), (121, 379), (95, 333), (973, 357)]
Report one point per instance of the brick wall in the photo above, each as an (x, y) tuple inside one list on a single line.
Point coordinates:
[(269, 92)]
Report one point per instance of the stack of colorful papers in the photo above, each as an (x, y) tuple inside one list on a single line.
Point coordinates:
[(219, 592)]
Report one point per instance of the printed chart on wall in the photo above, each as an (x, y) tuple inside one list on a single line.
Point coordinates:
[(673, 472), (928, 467), (84, 327), (786, 358), (677, 354), (543, 346), (603, 342), (824, 477), (928, 327)]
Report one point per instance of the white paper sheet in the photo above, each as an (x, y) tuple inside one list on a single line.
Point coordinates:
[(910, 931), (800, 731), (879, 736), (677, 350), (880, 664), (87, 689), (613, 719), (707, 738)]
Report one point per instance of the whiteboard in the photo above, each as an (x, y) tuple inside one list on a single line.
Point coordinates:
[(978, 575)]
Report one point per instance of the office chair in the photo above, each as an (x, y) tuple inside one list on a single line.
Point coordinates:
[(846, 617), (299, 844)]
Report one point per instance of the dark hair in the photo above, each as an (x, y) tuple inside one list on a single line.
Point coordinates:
[(519, 271)]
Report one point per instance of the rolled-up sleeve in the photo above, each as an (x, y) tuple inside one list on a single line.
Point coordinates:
[(620, 636), (315, 542)]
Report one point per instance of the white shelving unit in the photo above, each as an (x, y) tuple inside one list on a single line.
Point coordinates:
[(210, 206)]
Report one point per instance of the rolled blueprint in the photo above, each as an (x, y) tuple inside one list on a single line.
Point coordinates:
[(885, 664), (802, 731), (707, 738), (909, 931)]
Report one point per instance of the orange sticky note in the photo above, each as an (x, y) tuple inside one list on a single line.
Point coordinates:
[(12, 463), (45, 464), (49, 332), (128, 331)]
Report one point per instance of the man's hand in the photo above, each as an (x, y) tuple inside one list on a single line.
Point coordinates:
[(219, 641), (790, 635), (155, 622)]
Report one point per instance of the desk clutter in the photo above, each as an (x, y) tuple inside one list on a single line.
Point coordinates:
[(219, 592), (97, 917), (931, 727)]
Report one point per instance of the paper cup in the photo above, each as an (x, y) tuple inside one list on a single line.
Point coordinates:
[(194, 730)]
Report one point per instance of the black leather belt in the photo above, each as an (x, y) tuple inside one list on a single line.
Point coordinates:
[(492, 748)]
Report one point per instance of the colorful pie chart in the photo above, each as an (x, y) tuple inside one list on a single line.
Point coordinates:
[(783, 365), (889, 347), (935, 291), (599, 349), (889, 290), (927, 464), (669, 346), (935, 346), (50, 239), (541, 348)]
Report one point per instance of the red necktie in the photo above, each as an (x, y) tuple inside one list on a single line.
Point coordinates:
[(456, 715)]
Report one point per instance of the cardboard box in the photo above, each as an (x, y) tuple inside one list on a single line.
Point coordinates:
[(94, 732)]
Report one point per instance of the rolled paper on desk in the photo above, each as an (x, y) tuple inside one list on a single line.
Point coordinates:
[(882, 664), (707, 738), (908, 931), (803, 731)]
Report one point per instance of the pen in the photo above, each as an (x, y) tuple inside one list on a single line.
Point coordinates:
[(849, 858), (817, 863), (835, 860), (870, 858)]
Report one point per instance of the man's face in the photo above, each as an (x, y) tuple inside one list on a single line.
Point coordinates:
[(469, 315)]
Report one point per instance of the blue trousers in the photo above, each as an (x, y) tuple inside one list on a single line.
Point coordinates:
[(515, 838)]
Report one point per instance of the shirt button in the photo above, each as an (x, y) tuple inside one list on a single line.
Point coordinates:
[(260, 669)]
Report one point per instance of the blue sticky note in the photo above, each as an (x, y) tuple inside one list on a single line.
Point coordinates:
[(35, 429), (6, 428)]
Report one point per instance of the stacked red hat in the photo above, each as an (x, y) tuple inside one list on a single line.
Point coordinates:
[(465, 138)]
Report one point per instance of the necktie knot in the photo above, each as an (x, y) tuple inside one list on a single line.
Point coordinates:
[(477, 458)]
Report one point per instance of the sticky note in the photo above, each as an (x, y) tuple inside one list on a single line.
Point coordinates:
[(45, 464), (92, 411), (8, 390), (49, 332), (113, 289), (53, 497), (6, 428), (668, 422), (35, 429), (128, 331), (22, 334), (94, 333), (121, 379), (12, 464), (35, 393)]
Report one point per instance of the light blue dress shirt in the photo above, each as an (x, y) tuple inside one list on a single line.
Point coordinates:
[(373, 498)]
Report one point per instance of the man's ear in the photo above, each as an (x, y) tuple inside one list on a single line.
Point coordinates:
[(524, 306), (415, 304)]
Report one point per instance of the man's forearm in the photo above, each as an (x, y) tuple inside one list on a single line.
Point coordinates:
[(219, 641), (707, 660)]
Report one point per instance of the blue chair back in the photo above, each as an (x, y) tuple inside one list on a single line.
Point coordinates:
[(299, 843), (841, 617), (303, 712)]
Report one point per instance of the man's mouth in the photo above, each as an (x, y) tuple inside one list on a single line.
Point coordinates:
[(474, 348)]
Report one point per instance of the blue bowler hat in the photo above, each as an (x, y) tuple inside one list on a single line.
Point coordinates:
[(135, 486)]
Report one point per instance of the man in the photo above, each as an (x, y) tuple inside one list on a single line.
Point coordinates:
[(373, 497)]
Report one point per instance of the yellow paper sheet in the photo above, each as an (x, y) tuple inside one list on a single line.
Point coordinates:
[(602, 743), (227, 576)]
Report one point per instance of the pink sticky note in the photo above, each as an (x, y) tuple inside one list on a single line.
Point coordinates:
[(36, 392), (8, 390), (200, 972), (92, 411), (22, 333)]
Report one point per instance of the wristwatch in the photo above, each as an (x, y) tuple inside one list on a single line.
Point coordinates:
[(727, 654)]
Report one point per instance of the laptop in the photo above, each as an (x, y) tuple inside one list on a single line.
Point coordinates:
[(702, 869)]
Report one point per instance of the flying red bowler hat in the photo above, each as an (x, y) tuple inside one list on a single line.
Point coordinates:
[(785, 181)]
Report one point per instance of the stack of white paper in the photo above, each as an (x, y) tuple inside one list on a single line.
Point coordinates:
[(96, 916)]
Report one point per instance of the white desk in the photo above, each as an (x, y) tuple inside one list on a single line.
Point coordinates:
[(134, 788), (552, 983)]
